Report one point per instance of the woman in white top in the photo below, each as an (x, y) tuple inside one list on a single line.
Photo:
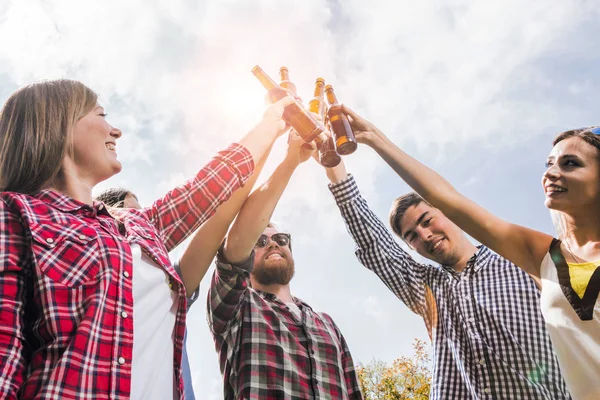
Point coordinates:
[(566, 269)]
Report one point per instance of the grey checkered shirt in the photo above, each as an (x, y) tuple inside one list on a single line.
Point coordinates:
[(488, 335)]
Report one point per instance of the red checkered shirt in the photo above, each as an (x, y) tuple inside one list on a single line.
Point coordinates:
[(267, 352), (66, 301)]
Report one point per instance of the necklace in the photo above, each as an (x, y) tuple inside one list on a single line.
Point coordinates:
[(577, 260)]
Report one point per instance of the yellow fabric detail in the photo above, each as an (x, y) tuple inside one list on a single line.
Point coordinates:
[(580, 274)]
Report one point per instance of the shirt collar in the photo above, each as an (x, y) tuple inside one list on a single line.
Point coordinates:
[(67, 204), (270, 296), (476, 262)]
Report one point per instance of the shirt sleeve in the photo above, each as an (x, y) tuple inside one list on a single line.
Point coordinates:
[(226, 294), (14, 283), (182, 210), (190, 299), (377, 250)]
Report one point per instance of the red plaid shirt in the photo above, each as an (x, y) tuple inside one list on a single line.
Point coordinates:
[(66, 301), (266, 352)]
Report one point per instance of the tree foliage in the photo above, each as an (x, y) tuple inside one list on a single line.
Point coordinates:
[(407, 377)]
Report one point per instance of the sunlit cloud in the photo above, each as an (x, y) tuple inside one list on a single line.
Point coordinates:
[(436, 76)]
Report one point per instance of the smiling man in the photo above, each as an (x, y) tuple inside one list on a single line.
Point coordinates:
[(482, 313), (271, 344)]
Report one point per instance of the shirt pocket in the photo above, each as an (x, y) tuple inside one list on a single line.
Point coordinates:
[(68, 255)]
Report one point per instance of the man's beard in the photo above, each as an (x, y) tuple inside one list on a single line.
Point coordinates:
[(269, 272)]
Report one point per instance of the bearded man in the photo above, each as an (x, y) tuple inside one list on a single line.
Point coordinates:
[(272, 345)]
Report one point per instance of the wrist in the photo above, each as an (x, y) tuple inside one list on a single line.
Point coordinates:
[(377, 140), (336, 174), (290, 162)]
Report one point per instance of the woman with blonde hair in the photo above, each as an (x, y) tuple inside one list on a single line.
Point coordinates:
[(72, 276), (566, 269)]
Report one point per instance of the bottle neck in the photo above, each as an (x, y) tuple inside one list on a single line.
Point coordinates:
[(265, 79), (331, 98)]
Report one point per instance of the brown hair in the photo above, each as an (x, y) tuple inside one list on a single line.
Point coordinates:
[(399, 207), (36, 124), (114, 197), (583, 133)]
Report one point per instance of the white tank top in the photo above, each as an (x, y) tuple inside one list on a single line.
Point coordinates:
[(154, 312), (573, 324)]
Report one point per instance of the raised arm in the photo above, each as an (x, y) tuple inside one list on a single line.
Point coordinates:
[(13, 286), (185, 208), (258, 209), (208, 238), (524, 247), (235, 259), (376, 248)]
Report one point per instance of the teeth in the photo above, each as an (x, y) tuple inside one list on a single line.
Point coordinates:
[(110, 146), (274, 255), (556, 189), (435, 246)]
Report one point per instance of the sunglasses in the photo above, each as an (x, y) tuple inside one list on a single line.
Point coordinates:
[(594, 130), (282, 239)]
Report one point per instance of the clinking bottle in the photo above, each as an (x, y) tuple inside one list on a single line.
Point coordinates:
[(345, 142), (294, 114), (328, 157)]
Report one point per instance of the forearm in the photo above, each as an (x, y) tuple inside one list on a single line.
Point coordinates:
[(377, 250), (260, 139), (256, 213), (183, 209), (337, 173), (203, 247)]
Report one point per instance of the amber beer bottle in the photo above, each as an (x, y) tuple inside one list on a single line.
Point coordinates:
[(294, 114), (328, 157), (285, 80), (345, 142)]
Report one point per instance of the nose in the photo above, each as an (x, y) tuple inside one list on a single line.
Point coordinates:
[(424, 234), (115, 132), (551, 173)]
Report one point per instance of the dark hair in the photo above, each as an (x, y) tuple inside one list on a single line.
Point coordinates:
[(584, 133), (114, 197), (36, 126), (399, 207)]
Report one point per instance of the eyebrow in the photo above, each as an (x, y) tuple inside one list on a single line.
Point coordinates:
[(411, 230), (564, 156)]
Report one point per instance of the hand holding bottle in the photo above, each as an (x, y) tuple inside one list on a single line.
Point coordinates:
[(298, 150), (364, 130)]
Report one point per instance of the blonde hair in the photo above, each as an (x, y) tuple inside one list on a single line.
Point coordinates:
[(36, 126)]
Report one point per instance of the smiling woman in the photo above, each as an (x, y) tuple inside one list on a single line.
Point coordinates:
[(70, 271)]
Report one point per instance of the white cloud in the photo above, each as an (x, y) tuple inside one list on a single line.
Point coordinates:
[(436, 76)]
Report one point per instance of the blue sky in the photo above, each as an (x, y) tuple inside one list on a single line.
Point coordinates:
[(476, 90)]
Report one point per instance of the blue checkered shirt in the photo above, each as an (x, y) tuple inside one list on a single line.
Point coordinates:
[(488, 335)]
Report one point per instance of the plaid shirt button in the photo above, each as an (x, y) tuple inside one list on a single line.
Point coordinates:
[(124, 314), (121, 361), (49, 240), (126, 274)]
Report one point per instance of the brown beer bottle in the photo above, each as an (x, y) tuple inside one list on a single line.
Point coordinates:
[(294, 114), (285, 80), (328, 157), (345, 142)]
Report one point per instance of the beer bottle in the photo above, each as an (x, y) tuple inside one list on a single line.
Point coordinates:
[(328, 157), (345, 142), (285, 80), (294, 114)]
